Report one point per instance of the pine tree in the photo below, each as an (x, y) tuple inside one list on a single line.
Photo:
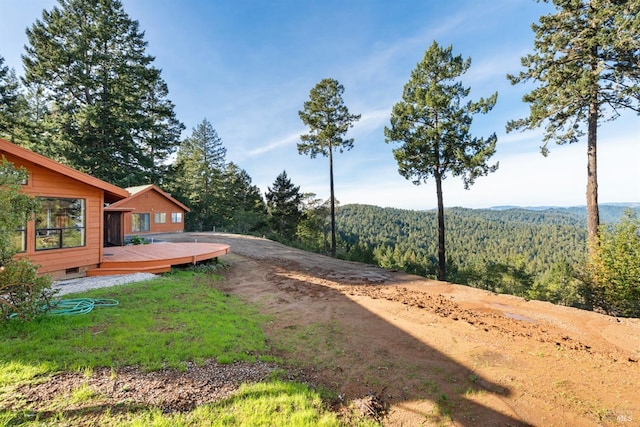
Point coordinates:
[(283, 204), (107, 102), (586, 61), (197, 176), (433, 124), (12, 104), (328, 120), (244, 208)]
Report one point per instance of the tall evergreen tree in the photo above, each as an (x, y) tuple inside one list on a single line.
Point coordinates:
[(198, 175), (12, 103), (109, 110), (244, 208), (283, 204), (586, 61), (328, 120), (433, 124)]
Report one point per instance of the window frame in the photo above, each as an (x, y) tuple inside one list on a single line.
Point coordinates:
[(162, 216), (176, 217), (136, 222), (63, 221)]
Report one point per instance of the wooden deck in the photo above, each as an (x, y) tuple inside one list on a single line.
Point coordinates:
[(155, 258)]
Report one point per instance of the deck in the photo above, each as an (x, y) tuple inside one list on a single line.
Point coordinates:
[(155, 258)]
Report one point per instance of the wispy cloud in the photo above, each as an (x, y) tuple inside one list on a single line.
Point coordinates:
[(274, 145)]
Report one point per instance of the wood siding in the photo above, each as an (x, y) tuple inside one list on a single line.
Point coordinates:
[(152, 202), (45, 182)]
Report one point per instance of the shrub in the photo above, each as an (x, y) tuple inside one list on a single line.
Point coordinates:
[(612, 275), (22, 293), (137, 240)]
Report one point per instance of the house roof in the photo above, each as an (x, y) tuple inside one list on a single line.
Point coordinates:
[(112, 192), (142, 189)]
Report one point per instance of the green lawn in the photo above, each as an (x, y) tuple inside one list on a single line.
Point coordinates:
[(165, 322)]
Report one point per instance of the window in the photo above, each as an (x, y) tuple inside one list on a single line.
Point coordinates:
[(60, 223), (139, 222), (176, 217), (160, 217)]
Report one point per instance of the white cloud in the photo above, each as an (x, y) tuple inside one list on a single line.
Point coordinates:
[(282, 142)]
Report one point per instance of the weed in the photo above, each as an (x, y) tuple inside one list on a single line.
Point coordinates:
[(82, 394), (430, 386)]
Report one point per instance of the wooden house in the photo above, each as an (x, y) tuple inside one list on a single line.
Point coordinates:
[(66, 237), (150, 210), (82, 222)]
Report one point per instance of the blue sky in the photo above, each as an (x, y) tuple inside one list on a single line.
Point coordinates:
[(248, 67)]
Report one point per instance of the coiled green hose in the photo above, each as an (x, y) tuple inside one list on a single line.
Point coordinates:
[(78, 305)]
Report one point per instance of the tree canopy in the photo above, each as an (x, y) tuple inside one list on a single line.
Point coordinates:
[(109, 112), (11, 102), (198, 173)]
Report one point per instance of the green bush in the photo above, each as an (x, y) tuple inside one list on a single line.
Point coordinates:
[(137, 240), (22, 293), (559, 285), (612, 275)]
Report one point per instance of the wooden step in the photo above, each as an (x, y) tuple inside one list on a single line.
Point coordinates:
[(109, 271)]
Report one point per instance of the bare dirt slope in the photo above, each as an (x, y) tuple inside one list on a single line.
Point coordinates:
[(438, 353)]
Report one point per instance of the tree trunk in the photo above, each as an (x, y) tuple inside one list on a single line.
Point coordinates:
[(593, 215), (333, 203), (442, 264)]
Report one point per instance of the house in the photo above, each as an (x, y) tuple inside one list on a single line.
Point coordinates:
[(82, 221), (67, 234), (149, 210)]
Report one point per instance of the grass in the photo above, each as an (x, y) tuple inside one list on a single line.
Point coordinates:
[(159, 323), (179, 318)]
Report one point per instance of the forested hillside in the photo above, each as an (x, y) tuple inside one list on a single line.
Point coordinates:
[(609, 213), (408, 239), (534, 253)]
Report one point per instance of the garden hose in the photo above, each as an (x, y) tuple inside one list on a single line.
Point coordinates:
[(79, 305)]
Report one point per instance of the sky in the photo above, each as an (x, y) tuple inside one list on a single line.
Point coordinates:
[(248, 66)]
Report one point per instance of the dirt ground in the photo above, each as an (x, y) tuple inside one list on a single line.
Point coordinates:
[(435, 353), (440, 353)]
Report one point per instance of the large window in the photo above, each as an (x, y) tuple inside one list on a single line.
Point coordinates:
[(160, 217), (139, 222), (60, 223), (176, 217)]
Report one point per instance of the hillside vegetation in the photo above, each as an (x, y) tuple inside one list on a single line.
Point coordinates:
[(527, 252), (409, 238)]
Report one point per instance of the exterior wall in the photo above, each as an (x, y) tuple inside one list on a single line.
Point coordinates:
[(152, 202), (64, 262)]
